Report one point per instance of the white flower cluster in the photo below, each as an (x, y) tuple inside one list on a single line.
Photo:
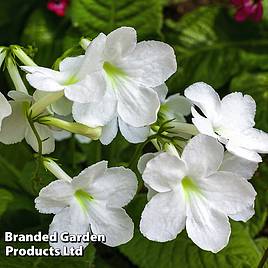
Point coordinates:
[(192, 182)]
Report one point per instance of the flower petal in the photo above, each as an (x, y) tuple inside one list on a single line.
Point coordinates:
[(151, 63), (120, 43), (54, 197), (114, 223), (204, 97), (73, 220), (61, 135), (19, 96), (137, 106), (164, 172), (85, 178), (243, 215), (141, 167), (82, 139), (96, 113), (91, 89), (45, 79), (228, 192), (237, 111), (203, 156), (253, 139), (243, 152), (71, 64), (14, 126), (144, 160), (62, 107), (134, 134), (161, 91), (203, 124), (5, 110), (117, 186), (46, 135), (178, 105), (208, 228), (93, 60), (238, 165), (109, 132), (163, 218)]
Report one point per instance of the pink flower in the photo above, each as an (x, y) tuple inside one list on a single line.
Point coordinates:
[(248, 10), (58, 6)]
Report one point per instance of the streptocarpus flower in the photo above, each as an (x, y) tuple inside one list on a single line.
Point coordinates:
[(5, 108), (230, 120), (191, 192), (248, 9), (131, 70), (114, 67), (16, 127), (58, 7), (91, 202)]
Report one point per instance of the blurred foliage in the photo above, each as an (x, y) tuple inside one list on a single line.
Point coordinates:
[(210, 46)]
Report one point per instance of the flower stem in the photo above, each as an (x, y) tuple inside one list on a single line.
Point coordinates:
[(36, 179), (40, 106), (73, 127), (15, 75), (263, 259)]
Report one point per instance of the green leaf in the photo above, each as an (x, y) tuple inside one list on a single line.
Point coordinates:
[(182, 252), (95, 16), (13, 14), (5, 198), (45, 32), (260, 183), (11, 164), (45, 262), (256, 85), (212, 47)]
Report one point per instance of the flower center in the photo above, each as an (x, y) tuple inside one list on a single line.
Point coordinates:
[(83, 198), (113, 72), (71, 80), (189, 186)]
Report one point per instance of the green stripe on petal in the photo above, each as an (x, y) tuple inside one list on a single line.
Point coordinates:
[(83, 198), (189, 186)]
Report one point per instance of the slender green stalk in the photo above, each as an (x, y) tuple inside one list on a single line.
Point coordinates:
[(41, 105), (39, 161), (73, 127), (15, 75), (23, 57), (264, 259), (55, 169)]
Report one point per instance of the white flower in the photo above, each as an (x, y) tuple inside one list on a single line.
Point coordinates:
[(230, 120), (130, 71), (73, 77), (174, 107), (16, 127), (91, 202), (191, 192), (5, 108)]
